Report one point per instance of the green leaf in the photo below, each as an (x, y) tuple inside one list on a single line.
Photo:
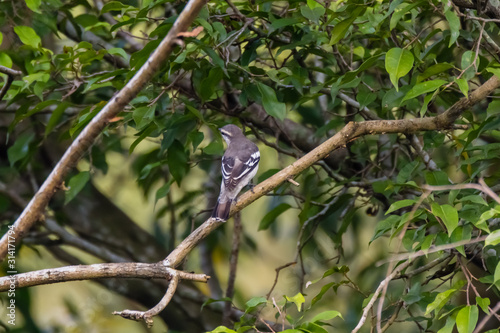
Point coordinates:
[(484, 303), (177, 159), (467, 319), (298, 300), (55, 117), (443, 298), (468, 64), (20, 148), (385, 225), (322, 292), (422, 88), (454, 23), (400, 204), (271, 104), (5, 60), (75, 185), (407, 171), (271, 216), (162, 191), (340, 29), (463, 86), (119, 51), (475, 198), (496, 275), (143, 116), (213, 300), (493, 238), (447, 214), (313, 11), (114, 6), (312, 328), (493, 70), (398, 62), (437, 178), (28, 36), (399, 12), (216, 147), (326, 315), (34, 5), (482, 223), (222, 329), (448, 327), (254, 302), (365, 96)]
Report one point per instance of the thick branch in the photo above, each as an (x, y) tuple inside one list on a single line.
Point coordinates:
[(95, 271), (84, 141), (350, 132)]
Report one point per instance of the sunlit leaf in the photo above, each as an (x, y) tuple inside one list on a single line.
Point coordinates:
[(28, 36), (424, 87), (298, 300), (493, 238), (467, 319), (398, 62)]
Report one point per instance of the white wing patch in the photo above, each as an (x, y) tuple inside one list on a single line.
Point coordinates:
[(249, 165)]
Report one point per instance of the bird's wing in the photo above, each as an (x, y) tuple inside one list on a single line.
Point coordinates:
[(234, 170)]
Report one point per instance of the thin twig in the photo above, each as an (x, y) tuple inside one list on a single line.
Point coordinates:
[(485, 320), (377, 293), (147, 316), (11, 73), (480, 187), (432, 249)]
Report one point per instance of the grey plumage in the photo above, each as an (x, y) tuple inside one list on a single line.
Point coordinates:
[(239, 165)]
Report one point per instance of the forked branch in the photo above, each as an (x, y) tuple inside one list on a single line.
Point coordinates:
[(11, 73)]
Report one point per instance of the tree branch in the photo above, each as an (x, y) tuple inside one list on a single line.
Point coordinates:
[(87, 137), (351, 131), (96, 271), (377, 293), (11, 73)]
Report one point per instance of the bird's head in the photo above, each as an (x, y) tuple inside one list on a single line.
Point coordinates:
[(229, 132)]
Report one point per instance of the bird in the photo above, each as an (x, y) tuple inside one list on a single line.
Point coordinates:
[(240, 163)]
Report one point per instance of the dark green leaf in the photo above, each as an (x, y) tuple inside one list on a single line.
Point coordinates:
[(271, 216), (271, 104), (340, 29), (177, 159), (447, 214), (75, 185)]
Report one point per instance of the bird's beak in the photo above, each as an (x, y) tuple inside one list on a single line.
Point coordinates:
[(220, 129)]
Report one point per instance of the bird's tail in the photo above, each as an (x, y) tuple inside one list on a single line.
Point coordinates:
[(221, 210)]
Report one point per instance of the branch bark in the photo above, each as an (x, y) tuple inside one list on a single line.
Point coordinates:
[(33, 212), (96, 271), (350, 132)]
